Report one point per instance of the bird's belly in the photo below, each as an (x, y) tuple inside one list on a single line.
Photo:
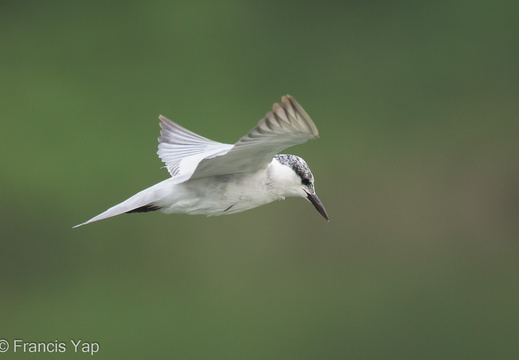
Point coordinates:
[(219, 196)]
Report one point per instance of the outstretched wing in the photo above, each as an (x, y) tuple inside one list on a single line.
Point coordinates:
[(190, 156), (182, 150), (285, 126)]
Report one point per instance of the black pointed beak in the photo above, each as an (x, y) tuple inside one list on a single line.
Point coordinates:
[(314, 199)]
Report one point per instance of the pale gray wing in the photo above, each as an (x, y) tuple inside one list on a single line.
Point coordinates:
[(182, 150), (285, 126)]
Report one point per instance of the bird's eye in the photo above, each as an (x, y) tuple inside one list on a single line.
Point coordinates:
[(305, 182)]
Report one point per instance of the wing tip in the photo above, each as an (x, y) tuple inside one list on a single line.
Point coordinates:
[(290, 101), (165, 121)]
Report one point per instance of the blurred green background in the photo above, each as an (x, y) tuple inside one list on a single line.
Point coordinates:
[(417, 164)]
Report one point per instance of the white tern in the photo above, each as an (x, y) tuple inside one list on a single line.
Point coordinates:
[(212, 178)]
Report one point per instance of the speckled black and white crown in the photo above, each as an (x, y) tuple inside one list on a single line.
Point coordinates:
[(299, 166)]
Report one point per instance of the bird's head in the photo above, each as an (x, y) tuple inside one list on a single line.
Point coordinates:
[(299, 181)]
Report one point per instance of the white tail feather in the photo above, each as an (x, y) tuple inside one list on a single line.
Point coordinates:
[(145, 197)]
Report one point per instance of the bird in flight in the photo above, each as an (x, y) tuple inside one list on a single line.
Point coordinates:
[(212, 178)]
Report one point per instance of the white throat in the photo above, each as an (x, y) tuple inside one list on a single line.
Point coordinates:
[(284, 180)]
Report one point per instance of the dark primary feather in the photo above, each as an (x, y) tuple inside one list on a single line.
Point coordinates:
[(145, 208)]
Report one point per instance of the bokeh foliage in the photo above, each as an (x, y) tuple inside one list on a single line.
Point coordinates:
[(416, 103)]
